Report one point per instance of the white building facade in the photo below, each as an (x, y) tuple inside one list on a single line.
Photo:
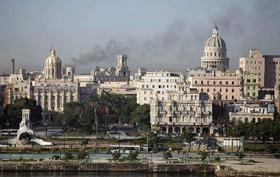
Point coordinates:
[(157, 83), (184, 110), (251, 113), (48, 88)]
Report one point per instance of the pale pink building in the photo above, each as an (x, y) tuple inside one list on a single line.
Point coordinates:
[(218, 85), (266, 67)]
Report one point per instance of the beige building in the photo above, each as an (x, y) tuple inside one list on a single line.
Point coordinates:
[(184, 109), (48, 88), (120, 72), (117, 87), (265, 67), (217, 84)]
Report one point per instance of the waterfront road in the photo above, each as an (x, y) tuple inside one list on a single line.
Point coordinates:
[(142, 156)]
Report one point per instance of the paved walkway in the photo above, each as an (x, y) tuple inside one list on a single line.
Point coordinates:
[(270, 165)]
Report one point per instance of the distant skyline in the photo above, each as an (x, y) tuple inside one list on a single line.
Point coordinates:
[(157, 34)]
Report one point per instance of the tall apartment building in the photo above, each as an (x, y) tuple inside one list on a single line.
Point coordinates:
[(217, 84), (251, 85), (265, 67), (157, 84)]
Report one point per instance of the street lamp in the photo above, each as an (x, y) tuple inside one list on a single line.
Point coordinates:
[(7, 125)]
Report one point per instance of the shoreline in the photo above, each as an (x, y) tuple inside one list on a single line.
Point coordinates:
[(149, 167), (139, 167)]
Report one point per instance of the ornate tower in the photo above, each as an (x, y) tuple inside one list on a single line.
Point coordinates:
[(122, 68), (215, 53), (52, 68)]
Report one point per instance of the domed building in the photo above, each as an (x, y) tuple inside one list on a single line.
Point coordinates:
[(215, 53), (52, 68)]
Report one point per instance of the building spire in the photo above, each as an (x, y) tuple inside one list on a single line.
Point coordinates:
[(215, 30), (52, 50)]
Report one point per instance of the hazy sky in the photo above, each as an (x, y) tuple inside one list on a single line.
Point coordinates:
[(155, 34)]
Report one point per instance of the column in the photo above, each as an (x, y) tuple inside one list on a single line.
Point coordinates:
[(49, 101), (56, 101)]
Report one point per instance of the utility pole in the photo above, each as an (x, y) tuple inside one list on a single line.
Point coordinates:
[(96, 120)]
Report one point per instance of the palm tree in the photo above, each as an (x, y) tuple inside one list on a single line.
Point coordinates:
[(152, 138), (188, 137)]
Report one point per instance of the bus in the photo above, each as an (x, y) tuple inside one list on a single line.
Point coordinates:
[(8, 132), (124, 149), (52, 132)]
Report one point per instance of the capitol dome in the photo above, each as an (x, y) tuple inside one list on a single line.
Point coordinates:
[(215, 41), (52, 68), (52, 58), (214, 55)]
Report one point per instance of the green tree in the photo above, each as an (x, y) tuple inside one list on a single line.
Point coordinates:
[(116, 156), (167, 155), (152, 138), (132, 156), (188, 137), (12, 113), (82, 154), (203, 156), (141, 117), (68, 156)]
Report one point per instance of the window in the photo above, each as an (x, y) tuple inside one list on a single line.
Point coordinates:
[(232, 90)]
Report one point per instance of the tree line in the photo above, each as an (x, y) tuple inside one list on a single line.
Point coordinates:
[(266, 130)]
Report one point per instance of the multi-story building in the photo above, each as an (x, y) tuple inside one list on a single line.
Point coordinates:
[(217, 84), (251, 85), (251, 112), (157, 83), (119, 73), (215, 53), (184, 109), (53, 94), (48, 88), (265, 67), (117, 87)]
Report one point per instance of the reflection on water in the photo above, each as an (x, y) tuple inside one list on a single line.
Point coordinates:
[(91, 174)]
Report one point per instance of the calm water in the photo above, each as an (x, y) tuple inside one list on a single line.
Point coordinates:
[(90, 174)]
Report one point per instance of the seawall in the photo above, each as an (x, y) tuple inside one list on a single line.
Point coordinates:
[(150, 167)]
